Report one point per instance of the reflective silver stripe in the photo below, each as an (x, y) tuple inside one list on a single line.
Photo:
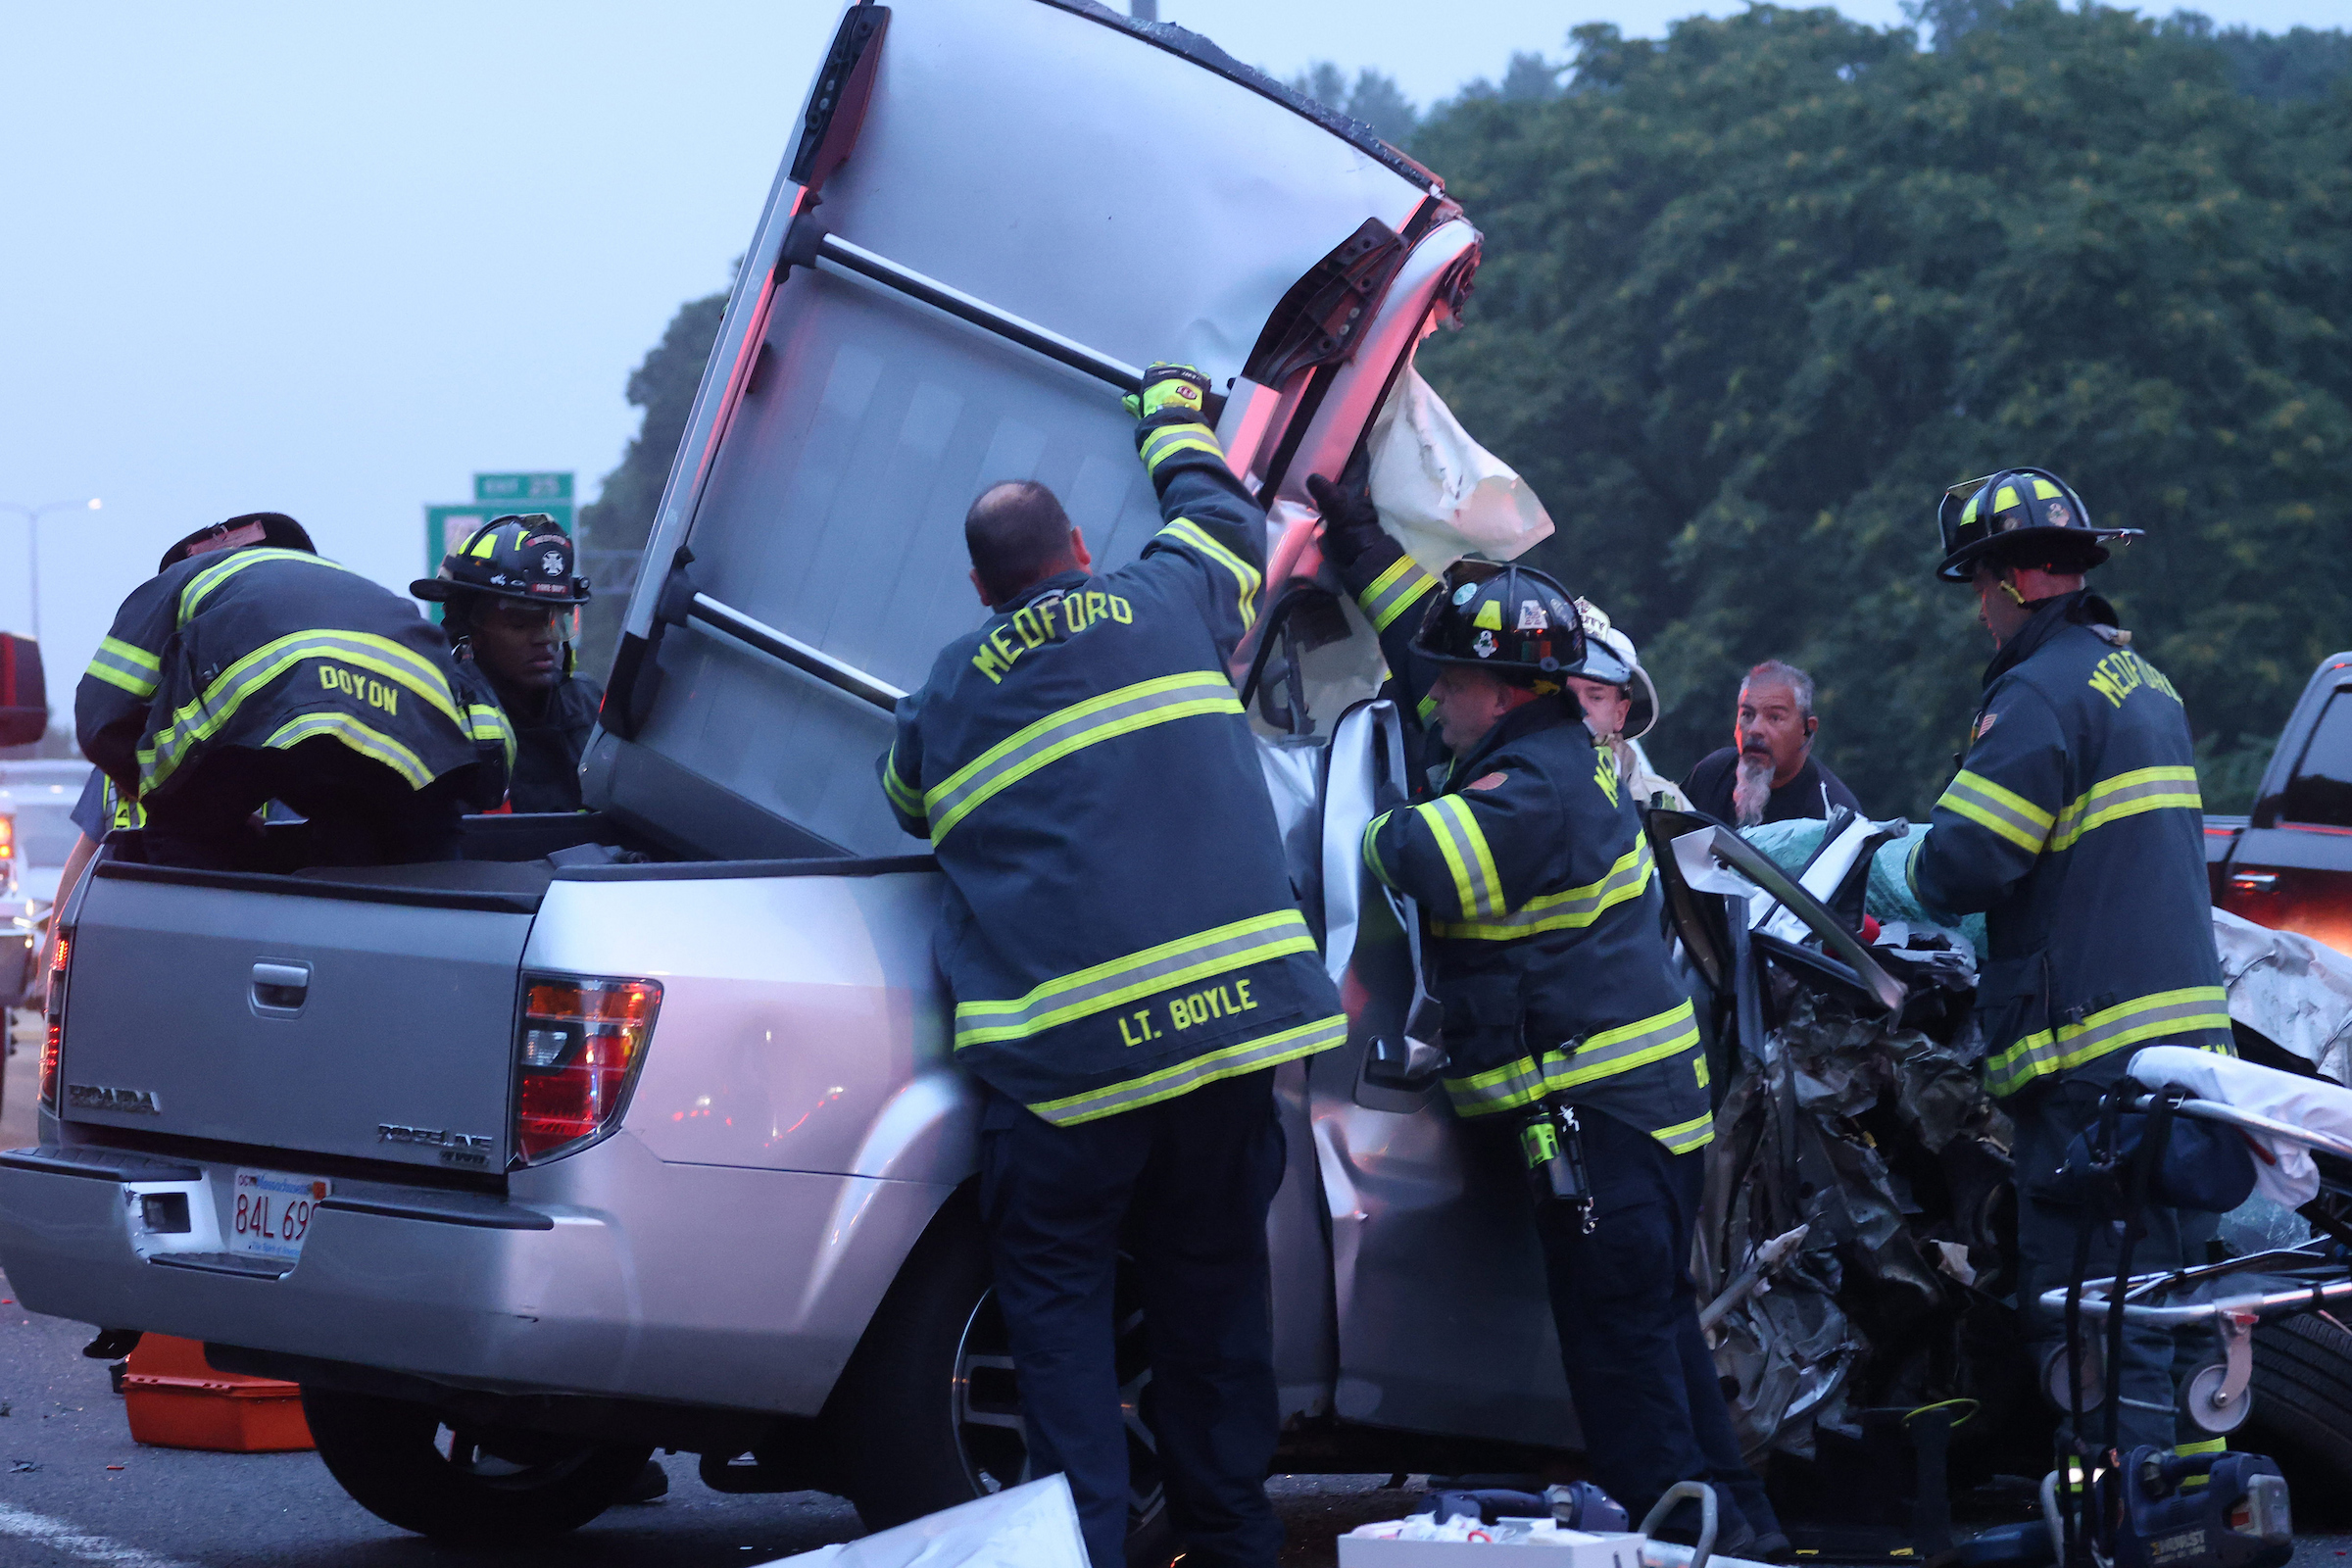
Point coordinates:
[(2145, 789), (2163, 1013), (1564, 911), (199, 587), (1248, 1056), (1134, 977), (1505, 1088), (1623, 1049), (1463, 844), (1684, 1137), (133, 669), (364, 738), (1385, 596), (1056, 735), (1999, 809)]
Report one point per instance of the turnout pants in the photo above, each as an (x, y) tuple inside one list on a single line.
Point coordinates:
[(1183, 1186), (360, 811), (1639, 1368), (2048, 1116)]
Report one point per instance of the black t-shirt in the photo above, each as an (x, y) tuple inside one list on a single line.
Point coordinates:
[(1812, 793)]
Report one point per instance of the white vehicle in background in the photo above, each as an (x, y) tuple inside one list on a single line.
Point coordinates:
[(37, 834)]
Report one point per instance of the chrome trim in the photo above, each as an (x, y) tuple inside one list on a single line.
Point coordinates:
[(735, 624)]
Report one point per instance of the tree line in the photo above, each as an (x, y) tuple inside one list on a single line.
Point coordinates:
[(1754, 293)]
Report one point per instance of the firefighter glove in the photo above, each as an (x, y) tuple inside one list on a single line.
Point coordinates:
[(1170, 389), (1350, 524)]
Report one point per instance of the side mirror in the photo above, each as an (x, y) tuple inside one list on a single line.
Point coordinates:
[(23, 697)]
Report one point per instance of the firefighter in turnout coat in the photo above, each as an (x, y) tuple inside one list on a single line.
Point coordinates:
[(1562, 1023), (2076, 826), (1128, 965), (251, 672)]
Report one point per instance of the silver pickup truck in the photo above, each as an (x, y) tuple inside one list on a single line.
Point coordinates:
[(638, 1128)]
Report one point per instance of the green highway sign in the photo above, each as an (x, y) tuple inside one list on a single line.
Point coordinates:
[(523, 492)]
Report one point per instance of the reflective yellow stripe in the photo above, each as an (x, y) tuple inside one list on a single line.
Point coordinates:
[(2144, 789), (1082, 724), (905, 796), (200, 586), (1119, 981), (1250, 1056), (1571, 911), (1426, 707), (127, 665), (202, 718), (2165, 1014), (1185, 530), (364, 738), (1454, 827), (1394, 591), (1170, 439), (1623, 1049), (1684, 1137), (1372, 849), (488, 721), (1498, 1089), (1999, 810)]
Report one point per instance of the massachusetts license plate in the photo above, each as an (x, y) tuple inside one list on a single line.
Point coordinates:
[(272, 1213)]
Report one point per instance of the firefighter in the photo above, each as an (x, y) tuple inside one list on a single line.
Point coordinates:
[(511, 608), (1561, 1021), (256, 670), (1128, 965), (2076, 826), (1619, 713)]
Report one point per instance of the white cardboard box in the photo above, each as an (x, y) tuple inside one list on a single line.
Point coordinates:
[(1548, 1547)]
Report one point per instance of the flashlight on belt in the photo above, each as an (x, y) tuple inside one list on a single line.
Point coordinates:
[(1552, 1145)]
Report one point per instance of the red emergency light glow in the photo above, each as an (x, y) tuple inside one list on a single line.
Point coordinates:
[(577, 1045), (8, 838)]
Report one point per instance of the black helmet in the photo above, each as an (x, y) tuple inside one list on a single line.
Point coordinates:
[(2030, 508), (274, 529), (1513, 620), (522, 556)]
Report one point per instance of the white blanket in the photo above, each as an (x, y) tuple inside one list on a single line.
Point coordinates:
[(2285, 1172)]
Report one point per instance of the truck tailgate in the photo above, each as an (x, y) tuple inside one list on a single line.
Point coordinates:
[(364, 1022)]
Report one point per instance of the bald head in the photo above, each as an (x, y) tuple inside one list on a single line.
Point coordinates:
[(1019, 535)]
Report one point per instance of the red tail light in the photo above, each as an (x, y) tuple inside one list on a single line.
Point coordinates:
[(8, 838), (53, 1011), (576, 1051)]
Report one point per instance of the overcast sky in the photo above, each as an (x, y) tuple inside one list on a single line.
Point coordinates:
[(332, 259)]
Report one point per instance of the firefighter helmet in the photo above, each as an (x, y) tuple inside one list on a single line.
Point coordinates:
[(1513, 620), (524, 556), (1602, 636), (2014, 511), (274, 529)]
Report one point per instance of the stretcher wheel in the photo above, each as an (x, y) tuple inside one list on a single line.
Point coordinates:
[(2199, 1397), (2091, 1374)]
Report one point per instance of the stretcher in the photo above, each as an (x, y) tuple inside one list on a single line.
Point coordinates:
[(2300, 1132)]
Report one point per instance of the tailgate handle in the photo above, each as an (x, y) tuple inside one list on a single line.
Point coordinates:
[(280, 987)]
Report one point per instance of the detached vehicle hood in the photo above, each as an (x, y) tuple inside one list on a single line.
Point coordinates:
[(994, 213)]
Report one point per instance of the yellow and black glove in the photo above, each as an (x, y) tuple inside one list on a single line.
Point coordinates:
[(1170, 389)]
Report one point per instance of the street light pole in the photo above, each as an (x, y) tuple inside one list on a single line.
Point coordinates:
[(32, 516)]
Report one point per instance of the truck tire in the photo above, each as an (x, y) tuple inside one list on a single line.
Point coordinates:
[(928, 1415), (2302, 1413), (494, 1487)]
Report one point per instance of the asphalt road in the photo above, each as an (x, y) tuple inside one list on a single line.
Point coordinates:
[(75, 1491)]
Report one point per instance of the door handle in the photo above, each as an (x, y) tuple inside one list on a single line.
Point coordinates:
[(280, 987)]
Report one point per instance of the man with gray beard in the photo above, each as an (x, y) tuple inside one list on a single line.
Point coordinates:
[(1768, 774)]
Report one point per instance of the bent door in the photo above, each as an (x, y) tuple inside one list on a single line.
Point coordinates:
[(1022, 200)]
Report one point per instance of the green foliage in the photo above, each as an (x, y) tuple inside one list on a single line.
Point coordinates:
[(1375, 99), (622, 515), (1755, 294), (2301, 63)]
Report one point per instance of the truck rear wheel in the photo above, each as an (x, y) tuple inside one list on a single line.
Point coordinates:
[(2302, 1413), (928, 1415), (492, 1487)]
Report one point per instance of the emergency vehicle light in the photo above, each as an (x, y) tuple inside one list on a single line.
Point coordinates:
[(577, 1048)]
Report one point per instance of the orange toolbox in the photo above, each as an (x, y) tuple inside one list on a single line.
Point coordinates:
[(176, 1400)]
